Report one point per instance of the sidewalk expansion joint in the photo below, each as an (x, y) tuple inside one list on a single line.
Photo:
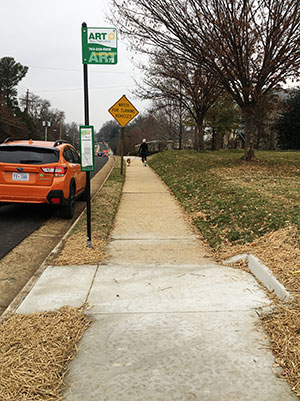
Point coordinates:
[(188, 239), (175, 312), (145, 193), (92, 283)]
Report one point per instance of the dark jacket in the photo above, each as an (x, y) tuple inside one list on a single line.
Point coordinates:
[(143, 148)]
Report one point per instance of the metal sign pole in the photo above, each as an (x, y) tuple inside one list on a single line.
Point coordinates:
[(122, 149), (88, 178)]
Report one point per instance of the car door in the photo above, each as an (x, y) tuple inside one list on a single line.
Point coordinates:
[(80, 176)]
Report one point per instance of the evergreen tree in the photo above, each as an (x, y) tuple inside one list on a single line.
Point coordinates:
[(11, 73), (289, 124)]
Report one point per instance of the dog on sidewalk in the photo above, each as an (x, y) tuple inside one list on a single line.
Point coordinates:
[(128, 162)]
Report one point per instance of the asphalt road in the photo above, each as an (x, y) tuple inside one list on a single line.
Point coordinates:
[(20, 220)]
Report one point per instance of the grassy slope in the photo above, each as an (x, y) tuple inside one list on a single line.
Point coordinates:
[(232, 201)]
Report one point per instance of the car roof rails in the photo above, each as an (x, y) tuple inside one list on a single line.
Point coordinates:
[(59, 142), (10, 139)]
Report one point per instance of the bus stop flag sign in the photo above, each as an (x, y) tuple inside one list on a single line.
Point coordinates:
[(99, 45)]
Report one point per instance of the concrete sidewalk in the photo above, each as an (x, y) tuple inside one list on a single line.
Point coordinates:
[(168, 323)]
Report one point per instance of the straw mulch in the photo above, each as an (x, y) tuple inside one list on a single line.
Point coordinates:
[(279, 250), (35, 350), (281, 253), (76, 252), (283, 328)]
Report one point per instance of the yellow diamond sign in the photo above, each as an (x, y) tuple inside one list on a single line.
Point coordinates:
[(123, 111)]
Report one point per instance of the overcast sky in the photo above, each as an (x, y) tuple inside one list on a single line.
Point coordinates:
[(46, 37)]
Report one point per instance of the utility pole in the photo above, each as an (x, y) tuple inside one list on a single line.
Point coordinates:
[(27, 102), (46, 124)]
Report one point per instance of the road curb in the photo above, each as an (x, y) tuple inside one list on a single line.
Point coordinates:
[(30, 284), (263, 274)]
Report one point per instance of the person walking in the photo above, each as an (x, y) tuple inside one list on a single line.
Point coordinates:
[(144, 151)]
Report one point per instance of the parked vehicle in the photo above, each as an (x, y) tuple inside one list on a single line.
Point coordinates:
[(41, 172), (103, 153)]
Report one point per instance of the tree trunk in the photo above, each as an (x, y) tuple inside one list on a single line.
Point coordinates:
[(273, 139), (214, 140), (180, 132), (248, 115), (199, 134), (196, 138)]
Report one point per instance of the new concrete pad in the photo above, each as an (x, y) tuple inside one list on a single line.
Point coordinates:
[(174, 333), (59, 286), (138, 289), (175, 357)]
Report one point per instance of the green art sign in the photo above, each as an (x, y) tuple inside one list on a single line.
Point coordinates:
[(99, 45)]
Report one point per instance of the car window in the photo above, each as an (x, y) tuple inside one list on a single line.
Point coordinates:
[(68, 155), (75, 156), (28, 155)]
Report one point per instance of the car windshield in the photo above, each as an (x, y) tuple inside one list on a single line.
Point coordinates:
[(28, 155)]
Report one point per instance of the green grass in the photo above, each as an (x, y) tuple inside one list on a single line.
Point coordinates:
[(233, 201)]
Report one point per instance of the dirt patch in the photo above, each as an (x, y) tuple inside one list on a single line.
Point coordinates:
[(35, 350)]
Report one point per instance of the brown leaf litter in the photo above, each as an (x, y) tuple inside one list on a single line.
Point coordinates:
[(35, 350)]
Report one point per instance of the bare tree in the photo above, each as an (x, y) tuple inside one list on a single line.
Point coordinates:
[(39, 110), (251, 45), (193, 90)]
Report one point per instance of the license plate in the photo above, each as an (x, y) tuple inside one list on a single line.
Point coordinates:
[(20, 176)]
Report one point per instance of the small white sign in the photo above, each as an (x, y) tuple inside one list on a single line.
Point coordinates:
[(87, 148)]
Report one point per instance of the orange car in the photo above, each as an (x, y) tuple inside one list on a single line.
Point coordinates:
[(41, 172)]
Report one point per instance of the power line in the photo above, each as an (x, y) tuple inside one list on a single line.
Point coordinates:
[(73, 70), (80, 89)]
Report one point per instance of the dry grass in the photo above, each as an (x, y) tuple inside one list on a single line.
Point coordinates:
[(103, 210), (35, 350)]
